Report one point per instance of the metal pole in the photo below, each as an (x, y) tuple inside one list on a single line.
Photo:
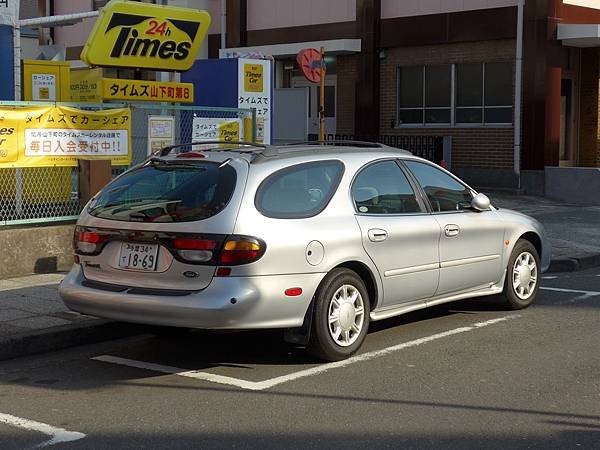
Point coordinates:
[(518, 90), (322, 98), (17, 75), (223, 24)]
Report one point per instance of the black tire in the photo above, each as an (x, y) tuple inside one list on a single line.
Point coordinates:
[(513, 297), (321, 343)]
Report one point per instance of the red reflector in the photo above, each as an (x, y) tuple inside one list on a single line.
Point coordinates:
[(223, 271), (193, 244), (293, 292), (191, 155), (91, 237)]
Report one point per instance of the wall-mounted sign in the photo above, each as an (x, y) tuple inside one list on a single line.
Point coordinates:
[(216, 129), (161, 132), (46, 81), (86, 85), (154, 91), (254, 91), (9, 12), (55, 136), (146, 36)]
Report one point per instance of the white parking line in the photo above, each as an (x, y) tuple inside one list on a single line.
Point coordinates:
[(57, 435), (266, 384), (574, 291)]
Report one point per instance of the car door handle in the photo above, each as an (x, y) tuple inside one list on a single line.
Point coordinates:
[(451, 230), (377, 235)]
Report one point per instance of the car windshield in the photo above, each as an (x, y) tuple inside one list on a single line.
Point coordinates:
[(167, 192)]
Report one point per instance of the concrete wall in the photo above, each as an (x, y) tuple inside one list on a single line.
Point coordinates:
[(266, 14), (25, 251), (578, 185), (405, 8)]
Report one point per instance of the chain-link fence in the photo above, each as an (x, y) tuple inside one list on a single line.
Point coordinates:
[(46, 194)]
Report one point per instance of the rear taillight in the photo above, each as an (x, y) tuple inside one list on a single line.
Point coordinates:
[(88, 242), (195, 250), (241, 250)]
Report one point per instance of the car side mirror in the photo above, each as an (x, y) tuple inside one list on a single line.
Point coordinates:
[(480, 202)]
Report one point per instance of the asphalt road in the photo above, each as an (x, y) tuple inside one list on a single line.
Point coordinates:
[(464, 375)]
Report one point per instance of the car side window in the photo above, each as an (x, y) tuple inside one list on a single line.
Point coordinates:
[(444, 192), (299, 191), (382, 188)]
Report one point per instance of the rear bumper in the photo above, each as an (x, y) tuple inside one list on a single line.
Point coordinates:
[(259, 302)]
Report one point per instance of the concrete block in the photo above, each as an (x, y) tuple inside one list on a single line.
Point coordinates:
[(575, 185), (26, 251)]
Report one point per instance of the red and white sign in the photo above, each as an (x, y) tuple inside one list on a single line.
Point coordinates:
[(311, 64)]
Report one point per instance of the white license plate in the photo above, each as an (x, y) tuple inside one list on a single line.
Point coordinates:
[(138, 256)]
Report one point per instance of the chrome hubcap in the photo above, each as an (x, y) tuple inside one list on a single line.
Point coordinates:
[(346, 315), (524, 275)]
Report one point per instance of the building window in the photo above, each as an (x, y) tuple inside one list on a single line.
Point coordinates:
[(482, 94), (424, 95)]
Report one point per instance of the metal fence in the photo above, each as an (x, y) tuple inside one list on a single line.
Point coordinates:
[(428, 147), (49, 194)]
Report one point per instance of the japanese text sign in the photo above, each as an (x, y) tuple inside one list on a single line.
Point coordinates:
[(57, 136), (155, 91), (9, 12)]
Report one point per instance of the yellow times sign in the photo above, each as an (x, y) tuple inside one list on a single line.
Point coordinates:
[(154, 91), (50, 136), (146, 36)]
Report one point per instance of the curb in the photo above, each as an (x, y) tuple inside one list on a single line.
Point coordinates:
[(574, 264), (64, 336)]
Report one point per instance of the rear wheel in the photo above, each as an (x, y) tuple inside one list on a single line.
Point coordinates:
[(522, 276), (341, 316)]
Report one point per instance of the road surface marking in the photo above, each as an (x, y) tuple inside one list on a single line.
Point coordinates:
[(575, 291), (57, 435), (266, 384)]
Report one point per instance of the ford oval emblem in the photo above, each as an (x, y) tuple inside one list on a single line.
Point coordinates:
[(190, 274)]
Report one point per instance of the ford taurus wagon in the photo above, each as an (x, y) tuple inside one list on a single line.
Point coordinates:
[(315, 239)]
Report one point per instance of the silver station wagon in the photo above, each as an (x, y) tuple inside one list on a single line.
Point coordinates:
[(315, 239)]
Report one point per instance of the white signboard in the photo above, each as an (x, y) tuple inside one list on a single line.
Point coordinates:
[(161, 132), (43, 86), (9, 12), (254, 91), (68, 142), (217, 129)]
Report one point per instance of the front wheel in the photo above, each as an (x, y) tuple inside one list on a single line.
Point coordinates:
[(522, 276), (341, 316)]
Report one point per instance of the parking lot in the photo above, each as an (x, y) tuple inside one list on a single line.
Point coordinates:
[(463, 375)]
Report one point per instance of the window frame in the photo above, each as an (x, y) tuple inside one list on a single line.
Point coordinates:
[(416, 190), (453, 86), (422, 192), (292, 168)]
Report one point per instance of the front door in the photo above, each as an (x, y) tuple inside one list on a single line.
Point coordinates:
[(313, 103), (471, 242), (397, 233)]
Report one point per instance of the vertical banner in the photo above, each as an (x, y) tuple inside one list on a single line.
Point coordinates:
[(161, 132), (254, 91)]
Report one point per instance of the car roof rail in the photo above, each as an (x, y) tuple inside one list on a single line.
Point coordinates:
[(364, 144), (251, 147)]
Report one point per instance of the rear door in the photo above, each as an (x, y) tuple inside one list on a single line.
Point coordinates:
[(399, 235), (471, 241), (161, 226)]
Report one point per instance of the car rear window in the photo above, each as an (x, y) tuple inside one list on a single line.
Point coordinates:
[(167, 192), (299, 191)]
